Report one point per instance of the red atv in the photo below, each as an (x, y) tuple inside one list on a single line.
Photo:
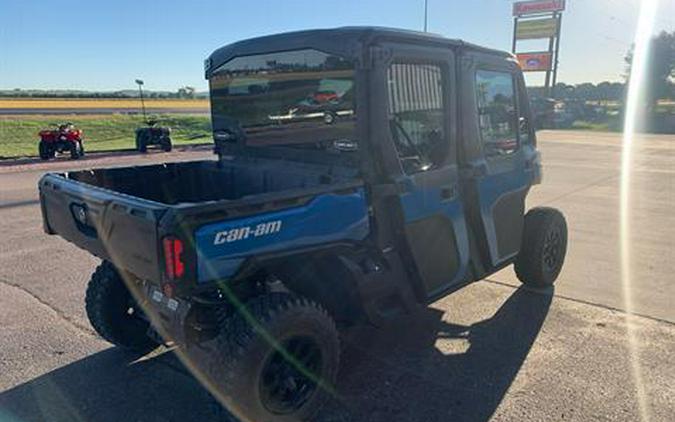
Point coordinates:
[(64, 139)]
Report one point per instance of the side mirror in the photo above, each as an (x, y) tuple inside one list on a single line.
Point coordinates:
[(523, 125), (524, 130)]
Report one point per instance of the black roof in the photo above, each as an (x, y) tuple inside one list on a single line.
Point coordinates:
[(342, 41)]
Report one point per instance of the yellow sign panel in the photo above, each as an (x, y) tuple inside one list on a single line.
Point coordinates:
[(536, 28)]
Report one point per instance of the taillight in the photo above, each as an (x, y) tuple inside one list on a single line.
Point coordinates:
[(173, 257)]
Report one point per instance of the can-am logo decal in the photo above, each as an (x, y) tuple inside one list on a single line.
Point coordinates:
[(241, 233)]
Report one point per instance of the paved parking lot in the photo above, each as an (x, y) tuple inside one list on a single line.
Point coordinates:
[(492, 351)]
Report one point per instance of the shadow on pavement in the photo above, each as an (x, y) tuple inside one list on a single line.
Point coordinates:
[(427, 369), (109, 386), (423, 369)]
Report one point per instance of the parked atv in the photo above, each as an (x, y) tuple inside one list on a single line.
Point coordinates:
[(153, 134), (66, 138), (252, 260)]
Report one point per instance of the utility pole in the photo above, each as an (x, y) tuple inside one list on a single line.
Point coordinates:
[(547, 83), (140, 90), (426, 9), (557, 52)]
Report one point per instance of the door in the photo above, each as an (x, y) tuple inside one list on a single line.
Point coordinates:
[(500, 149), (420, 103)]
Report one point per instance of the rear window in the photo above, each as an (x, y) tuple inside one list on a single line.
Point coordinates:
[(300, 99)]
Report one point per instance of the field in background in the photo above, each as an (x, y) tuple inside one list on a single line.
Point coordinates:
[(19, 134), (92, 103)]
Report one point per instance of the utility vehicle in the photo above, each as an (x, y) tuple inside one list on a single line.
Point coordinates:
[(416, 189), (153, 134), (65, 138)]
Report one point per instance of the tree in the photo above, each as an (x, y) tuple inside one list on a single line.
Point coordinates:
[(186, 92), (660, 69), (609, 91), (563, 91)]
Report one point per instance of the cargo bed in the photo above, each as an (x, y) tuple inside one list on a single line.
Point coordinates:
[(121, 214)]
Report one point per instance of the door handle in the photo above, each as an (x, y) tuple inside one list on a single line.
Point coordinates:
[(474, 171), (404, 186)]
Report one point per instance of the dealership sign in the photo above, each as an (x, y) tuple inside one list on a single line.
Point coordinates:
[(536, 28), (523, 8), (533, 62)]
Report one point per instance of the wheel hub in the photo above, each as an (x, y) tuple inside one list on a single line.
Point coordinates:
[(552, 249), (290, 375)]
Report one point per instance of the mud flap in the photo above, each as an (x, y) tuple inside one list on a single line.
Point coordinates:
[(384, 289)]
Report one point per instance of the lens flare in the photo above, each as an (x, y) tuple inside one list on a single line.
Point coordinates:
[(636, 87)]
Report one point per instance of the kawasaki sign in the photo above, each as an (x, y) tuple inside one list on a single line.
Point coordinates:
[(523, 8)]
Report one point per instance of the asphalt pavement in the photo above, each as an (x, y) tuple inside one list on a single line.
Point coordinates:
[(593, 349)]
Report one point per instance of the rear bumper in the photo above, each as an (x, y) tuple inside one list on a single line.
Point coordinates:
[(167, 315)]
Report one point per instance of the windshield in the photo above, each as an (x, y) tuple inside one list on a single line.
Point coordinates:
[(299, 99)]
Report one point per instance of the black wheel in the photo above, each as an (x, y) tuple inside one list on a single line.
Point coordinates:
[(141, 144), (113, 312), (75, 150), (329, 117), (45, 151), (166, 144), (279, 357), (543, 249)]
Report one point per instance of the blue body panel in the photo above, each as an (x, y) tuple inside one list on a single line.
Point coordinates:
[(491, 189), (421, 202), (510, 177), (223, 246)]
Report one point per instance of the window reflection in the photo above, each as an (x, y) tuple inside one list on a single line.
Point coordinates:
[(301, 98), (495, 94)]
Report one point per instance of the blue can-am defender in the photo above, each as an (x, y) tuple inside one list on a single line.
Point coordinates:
[(361, 172)]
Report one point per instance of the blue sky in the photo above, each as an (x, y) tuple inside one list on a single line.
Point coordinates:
[(105, 45)]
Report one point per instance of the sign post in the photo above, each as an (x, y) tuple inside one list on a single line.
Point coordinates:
[(539, 19), (557, 51)]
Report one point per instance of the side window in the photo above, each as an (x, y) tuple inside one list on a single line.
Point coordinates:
[(497, 119), (417, 115)]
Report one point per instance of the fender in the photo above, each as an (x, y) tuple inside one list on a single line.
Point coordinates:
[(222, 247)]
